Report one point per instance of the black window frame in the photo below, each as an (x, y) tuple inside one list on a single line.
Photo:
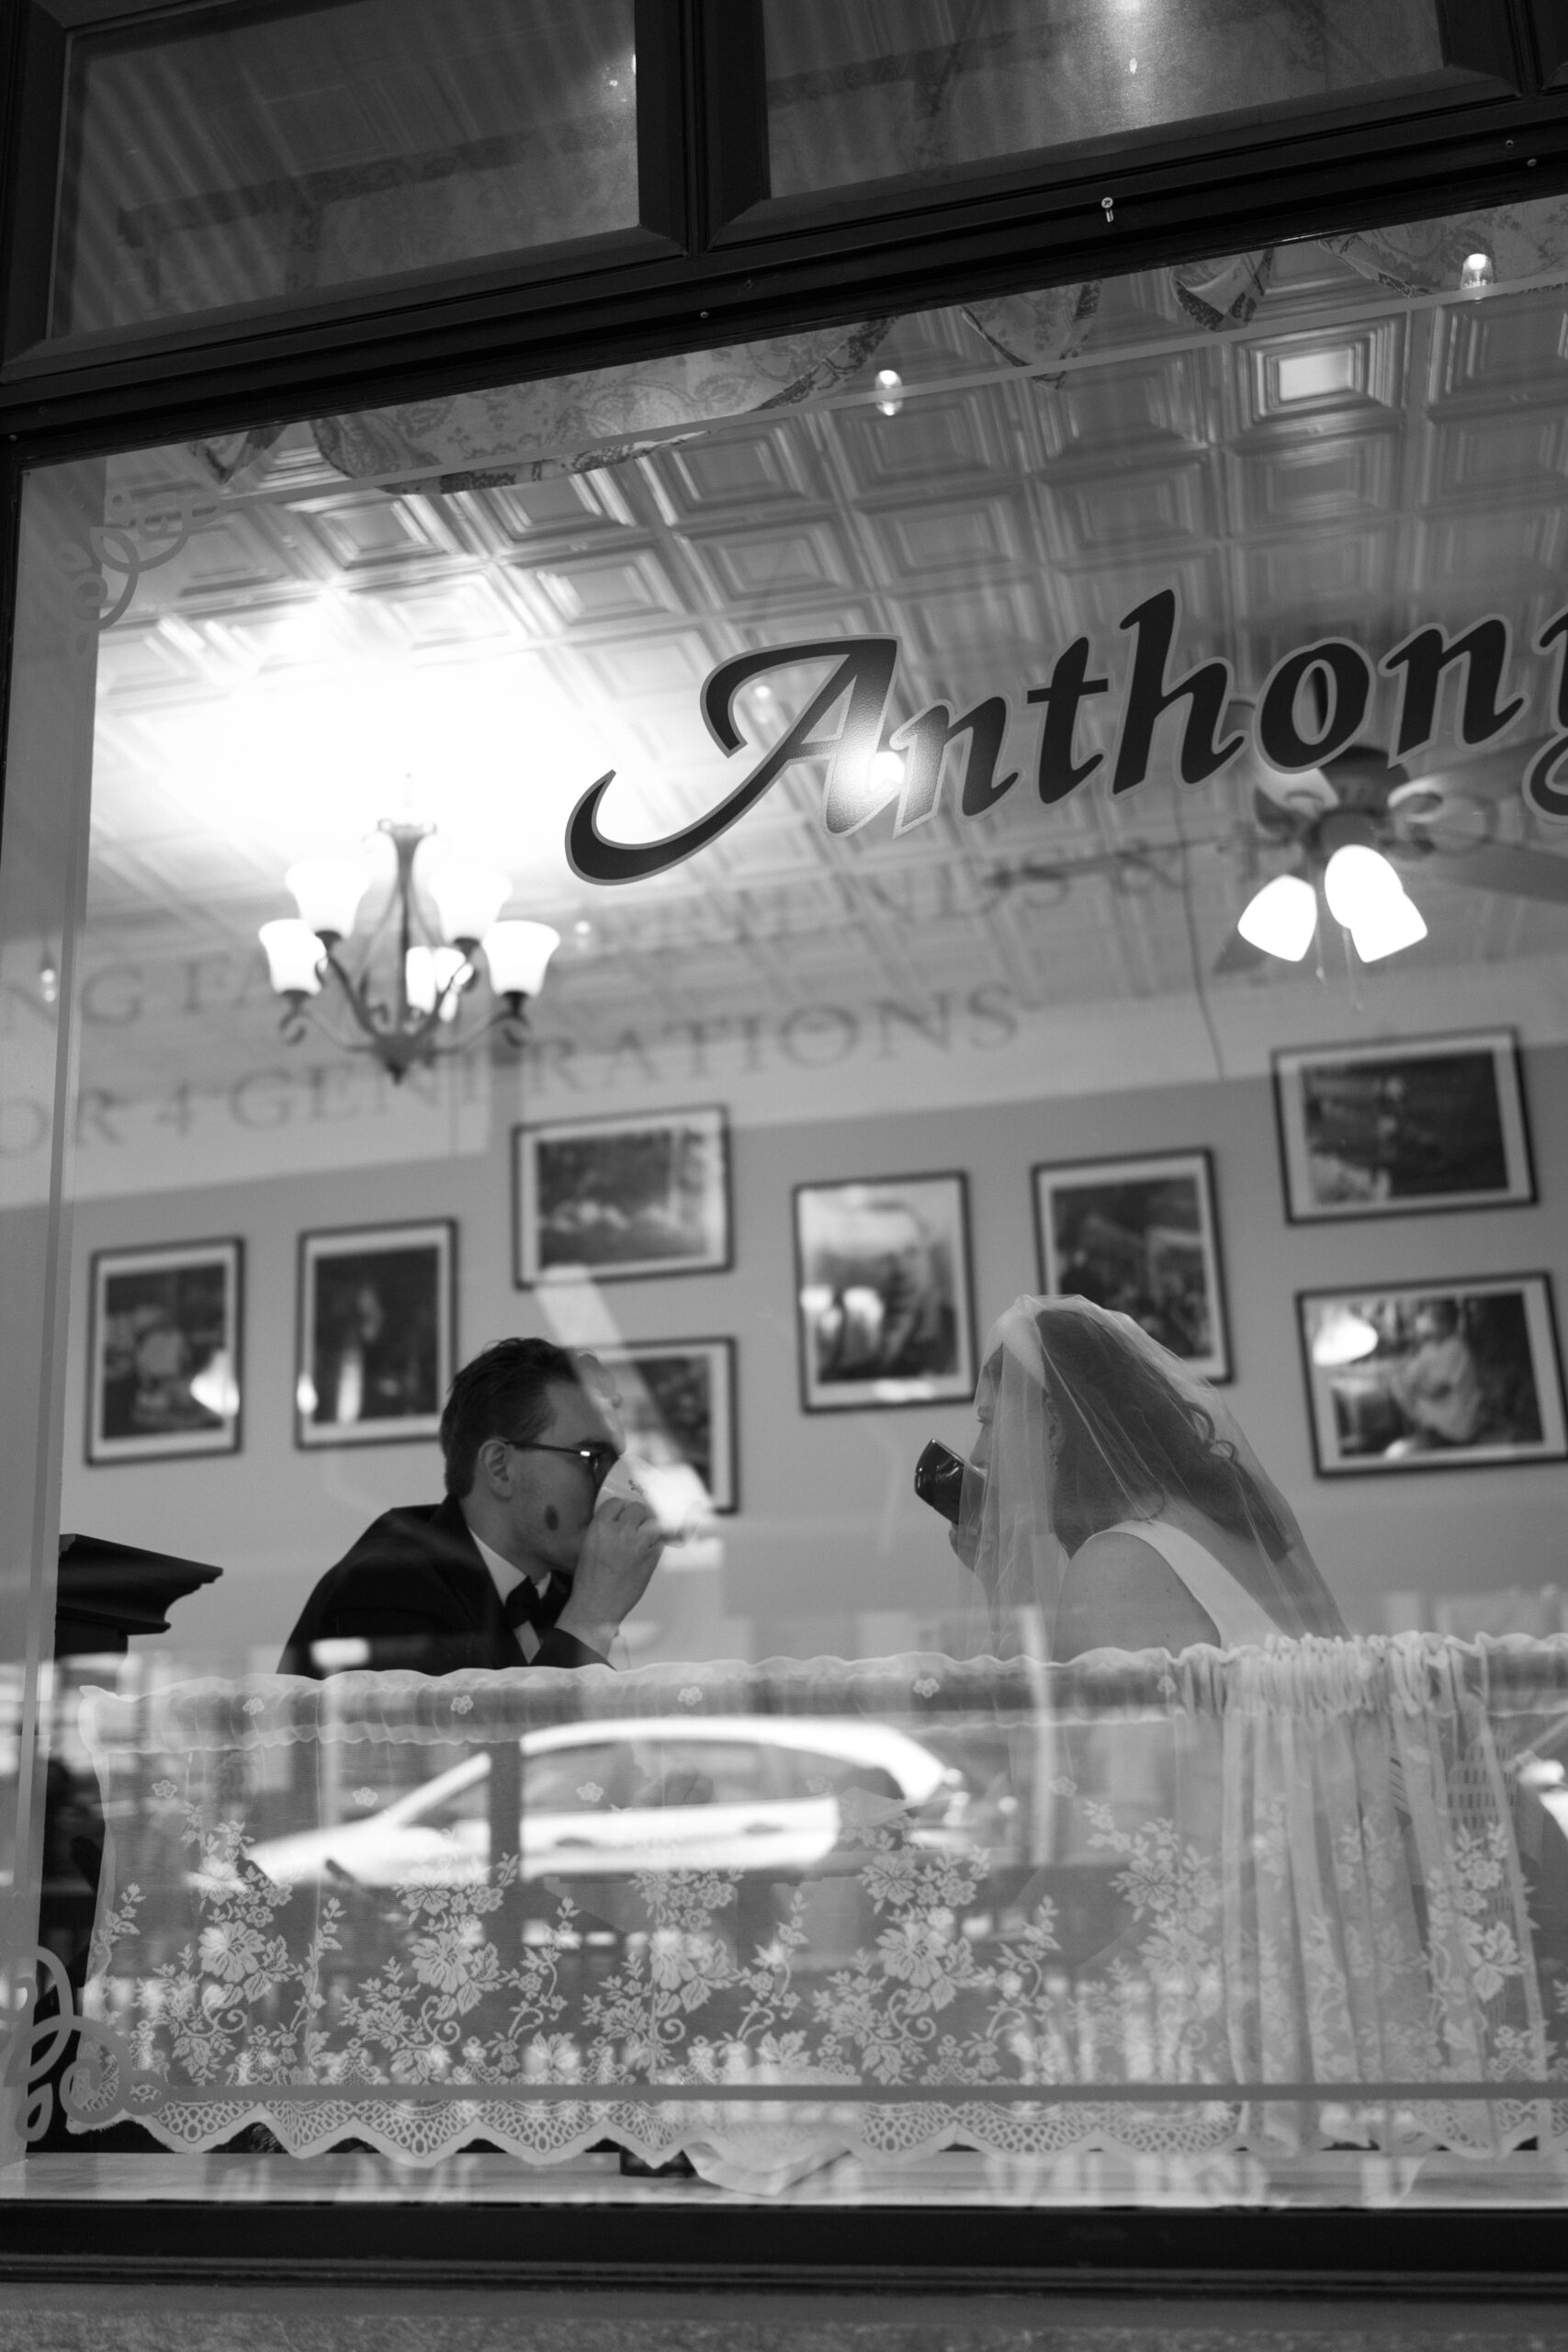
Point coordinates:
[(715, 262), (582, 309), (1487, 60), (38, 152)]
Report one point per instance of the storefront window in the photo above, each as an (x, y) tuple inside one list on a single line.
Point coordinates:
[(864, 92), (209, 164), (1017, 1653)]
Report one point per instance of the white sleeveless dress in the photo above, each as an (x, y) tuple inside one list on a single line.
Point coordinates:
[(1239, 1620)]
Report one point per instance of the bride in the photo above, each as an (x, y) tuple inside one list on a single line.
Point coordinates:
[(1109, 1489)]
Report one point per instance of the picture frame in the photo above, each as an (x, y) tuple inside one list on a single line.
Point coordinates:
[(1140, 1234), (1447, 1374), (622, 1199), (376, 1333), (164, 1355), (1402, 1127), (676, 1401), (884, 1293)]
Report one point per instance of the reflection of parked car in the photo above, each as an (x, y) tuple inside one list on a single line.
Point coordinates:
[(600, 1800)]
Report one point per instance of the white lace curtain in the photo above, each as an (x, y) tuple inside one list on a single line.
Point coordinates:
[(1261, 1899)]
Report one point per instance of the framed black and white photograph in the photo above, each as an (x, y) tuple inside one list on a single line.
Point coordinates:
[(1439, 1375), (885, 1295), (1139, 1236), (1389, 1130), (676, 1402), (164, 1368), (376, 1337), (622, 1198)]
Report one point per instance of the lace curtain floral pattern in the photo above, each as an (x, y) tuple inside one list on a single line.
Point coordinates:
[(1265, 1899)]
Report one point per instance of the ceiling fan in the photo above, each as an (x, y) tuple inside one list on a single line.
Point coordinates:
[(1363, 827)]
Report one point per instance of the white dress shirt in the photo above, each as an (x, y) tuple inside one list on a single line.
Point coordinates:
[(506, 1578)]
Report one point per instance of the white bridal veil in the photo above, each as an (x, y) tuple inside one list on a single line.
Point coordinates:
[(1087, 1423)]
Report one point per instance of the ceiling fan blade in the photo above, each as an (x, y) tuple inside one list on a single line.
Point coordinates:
[(1238, 955), (1497, 865), (1488, 774)]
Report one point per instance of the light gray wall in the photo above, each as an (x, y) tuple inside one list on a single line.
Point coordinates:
[(828, 1529)]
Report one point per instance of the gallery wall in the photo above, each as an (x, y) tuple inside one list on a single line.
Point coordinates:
[(829, 1550)]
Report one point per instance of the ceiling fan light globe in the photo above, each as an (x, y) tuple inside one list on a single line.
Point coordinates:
[(327, 891), (1387, 928), (516, 954), (468, 897), (1281, 918), (1358, 882), (293, 956)]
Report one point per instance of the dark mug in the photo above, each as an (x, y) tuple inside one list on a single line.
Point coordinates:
[(938, 1479)]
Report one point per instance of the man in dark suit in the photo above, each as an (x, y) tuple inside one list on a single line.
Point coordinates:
[(522, 1564)]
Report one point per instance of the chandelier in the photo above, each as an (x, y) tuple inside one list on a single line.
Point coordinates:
[(401, 1019)]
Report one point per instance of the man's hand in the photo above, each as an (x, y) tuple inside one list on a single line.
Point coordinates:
[(619, 1554)]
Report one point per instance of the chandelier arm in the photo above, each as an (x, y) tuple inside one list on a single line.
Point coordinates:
[(301, 1018), (510, 1018)]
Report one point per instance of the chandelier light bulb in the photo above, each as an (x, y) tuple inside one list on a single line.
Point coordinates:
[(293, 956), (467, 898), (1358, 882), (428, 971), (518, 954), (1388, 928), (1281, 918), (1476, 270), (327, 891)]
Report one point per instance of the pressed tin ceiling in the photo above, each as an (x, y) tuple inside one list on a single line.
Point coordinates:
[(325, 652)]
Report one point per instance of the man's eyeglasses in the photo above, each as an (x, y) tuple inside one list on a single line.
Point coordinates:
[(597, 1453)]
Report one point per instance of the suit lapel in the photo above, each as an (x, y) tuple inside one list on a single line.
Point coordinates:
[(468, 1580)]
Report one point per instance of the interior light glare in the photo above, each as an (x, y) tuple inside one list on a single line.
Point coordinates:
[(215, 1388), (293, 956), (327, 891), (890, 386), (429, 970), (1343, 1337), (1476, 270), (1386, 929), (469, 898), (518, 954), (887, 768), (1281, 918), (1356, 881)]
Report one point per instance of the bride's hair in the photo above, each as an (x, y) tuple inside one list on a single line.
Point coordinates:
[(1122, 1434)]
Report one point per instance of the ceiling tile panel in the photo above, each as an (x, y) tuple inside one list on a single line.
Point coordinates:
[(1337, 573), (594, 590), (1145, 403), (365, 532), (1345, 370), (1090, 514), (784, 561), (950, 437), (1338, 477), (1519, 453), (1518, 347), (569, 507), (734, 473), (945, 537), (674, 662)]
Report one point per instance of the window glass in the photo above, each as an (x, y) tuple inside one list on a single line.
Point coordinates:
[(1014, 1535), (211, 163), (869, 91)]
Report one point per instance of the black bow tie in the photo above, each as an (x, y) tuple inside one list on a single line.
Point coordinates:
[(531, 1604)]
